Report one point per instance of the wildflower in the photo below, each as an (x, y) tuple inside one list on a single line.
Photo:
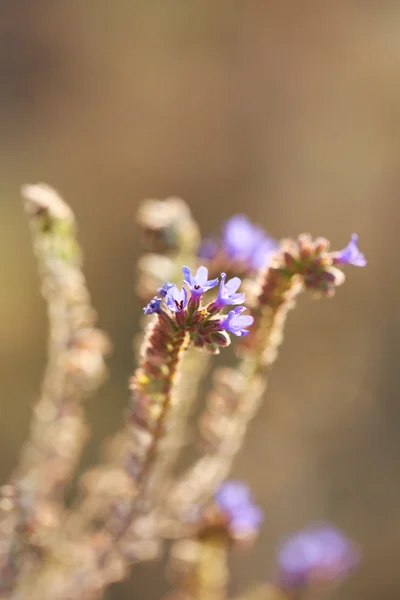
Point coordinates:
[(262, 254), (198, 284), (351, 254), (208, 249), (318, 553), (246, 242), (227, 293), (163, 290), (153, 306), (236, 323), (176, 299), (235, 500)]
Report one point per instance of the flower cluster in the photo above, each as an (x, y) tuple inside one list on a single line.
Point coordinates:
[(241, 242), (207, 326), (318, 266), (318, 554), (235, 503)]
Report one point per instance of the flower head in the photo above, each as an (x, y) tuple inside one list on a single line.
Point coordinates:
[(351, 254), (163, 290), (235, 500), (227, 292), (199, 283), (318, 553), (153, 306), (236, 323), (176, 299), (246, 242)]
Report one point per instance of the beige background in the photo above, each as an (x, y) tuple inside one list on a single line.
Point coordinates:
[(287, 110)]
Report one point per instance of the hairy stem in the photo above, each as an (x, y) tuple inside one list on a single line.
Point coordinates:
[(32, 502), (148, 421)]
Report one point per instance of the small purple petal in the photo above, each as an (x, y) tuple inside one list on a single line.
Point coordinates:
[(351, 254), (176, 299)]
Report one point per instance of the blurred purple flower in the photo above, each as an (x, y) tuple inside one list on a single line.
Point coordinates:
[(236, 323), (235, 500), (176, 299), (319, 552), (351, 255), (153, 306), (199, 283), (249, 243), (262, 254), (208, 249)]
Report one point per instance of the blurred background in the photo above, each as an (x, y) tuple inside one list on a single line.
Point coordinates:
[(288, 111)]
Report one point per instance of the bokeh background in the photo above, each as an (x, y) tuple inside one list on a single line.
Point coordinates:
[(286, 110)]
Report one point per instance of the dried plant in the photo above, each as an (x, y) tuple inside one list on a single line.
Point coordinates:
[(237, 288)]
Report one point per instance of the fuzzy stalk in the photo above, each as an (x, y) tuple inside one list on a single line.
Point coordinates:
[(148, 421), (194, 365), (32, 502), (206, 576), (212, 570)]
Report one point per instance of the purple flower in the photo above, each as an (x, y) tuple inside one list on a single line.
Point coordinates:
[(351, 255), (246, 242), (317, 553), (235, 500), (176, 299), (198, 284), (163, 290), (236, 323), (153, 306), (262, 254), (208, 249), (227, 292)]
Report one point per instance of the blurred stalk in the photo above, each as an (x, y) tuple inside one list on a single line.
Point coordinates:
[(207, 576), (32, 502)]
